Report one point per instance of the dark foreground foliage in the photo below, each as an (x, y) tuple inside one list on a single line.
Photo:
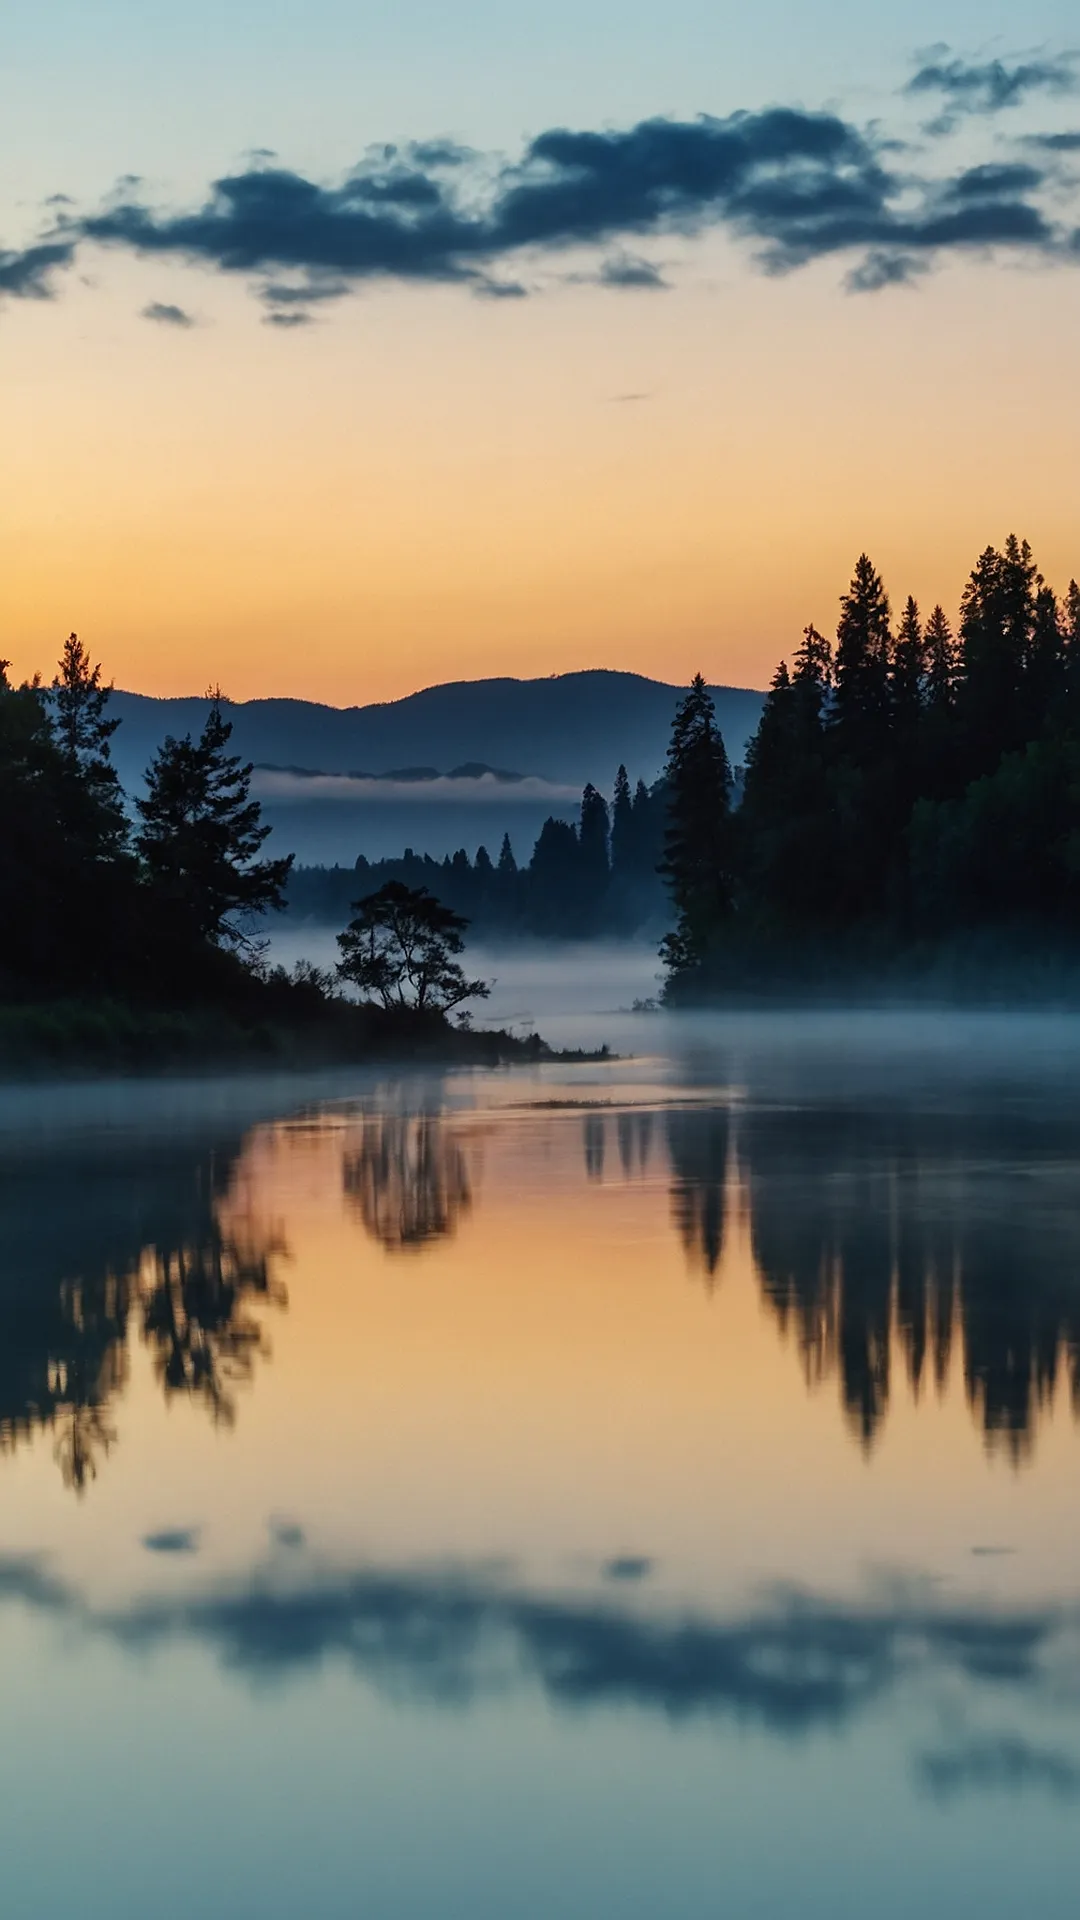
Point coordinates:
[(281, 1027), (910, 808), (128, 945)]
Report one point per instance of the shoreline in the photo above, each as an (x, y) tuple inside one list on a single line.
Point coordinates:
[(93, 1039)]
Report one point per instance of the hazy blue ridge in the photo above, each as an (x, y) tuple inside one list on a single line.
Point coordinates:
[(570, 727)]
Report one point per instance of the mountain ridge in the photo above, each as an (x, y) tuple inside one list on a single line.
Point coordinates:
[(577, 726)]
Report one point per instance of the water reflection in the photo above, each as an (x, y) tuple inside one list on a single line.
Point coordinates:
[(892, 1238), (886, 1243), (153, 1244), (408, 1179), (888, 1239), (792, 1662)]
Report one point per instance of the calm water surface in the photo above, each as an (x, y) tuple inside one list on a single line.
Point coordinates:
[(636, 1490)]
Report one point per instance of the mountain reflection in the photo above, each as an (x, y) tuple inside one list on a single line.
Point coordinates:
[(101, 1250), (408, 1179), (891, 1239)]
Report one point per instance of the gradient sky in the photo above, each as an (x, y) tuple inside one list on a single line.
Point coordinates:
[(421, 484)]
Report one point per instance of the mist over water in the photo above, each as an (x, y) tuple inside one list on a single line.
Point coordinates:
[(636, 1478), (574, 993)]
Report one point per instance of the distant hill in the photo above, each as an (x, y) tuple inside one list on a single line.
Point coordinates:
[(572, 727), (517, 750)]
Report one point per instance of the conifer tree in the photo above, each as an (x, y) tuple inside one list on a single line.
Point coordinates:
[(507, 863), (593, 835), (1070, 640), (786, 824), (941, 662), (1044, 666), (813, 679), (771, 753), (1072, 617), (997, 616), (697, 863), (92, 801), (79, 702), (863, 650), (202, 833), (908, 675), (622, 825), (647, 840)]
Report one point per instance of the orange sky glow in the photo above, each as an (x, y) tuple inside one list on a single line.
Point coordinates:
[(425, 487)]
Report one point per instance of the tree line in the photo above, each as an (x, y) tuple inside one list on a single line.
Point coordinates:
[(910, 781), (158, 903), (596, 875)]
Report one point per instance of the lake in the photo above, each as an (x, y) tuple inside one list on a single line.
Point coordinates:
[(637, 1489)]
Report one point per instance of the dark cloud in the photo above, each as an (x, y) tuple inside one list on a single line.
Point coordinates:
[(880, 269), (627, 1566), (277, 293), (1054, 142), (286, 1533), (440, 154), (631, 272), (173, 1540), (28, 275), (999, 1763), (167, 315), (797, 185), (990, 86), (288, 320), (1006, 181), (794, 1662), (500, 290)]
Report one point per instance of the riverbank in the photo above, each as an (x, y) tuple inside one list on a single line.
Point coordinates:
[(1013, 968), (94, 1035)]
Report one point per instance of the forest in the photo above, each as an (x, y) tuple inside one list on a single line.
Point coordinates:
[(133, 935), (912, 791), (909, 808), (597, 877)]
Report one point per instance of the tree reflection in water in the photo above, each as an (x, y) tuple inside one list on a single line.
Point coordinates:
[(902, 1237), (883, 1241), (101, 1249), (909, 1235), (408, 1179)]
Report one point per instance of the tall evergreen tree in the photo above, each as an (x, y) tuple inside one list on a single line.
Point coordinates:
[(1045, 667), (771, 755), (648, 835), (813, 678), (861, 701), (507, 863), (593, 835), (786, 823), (698, 852), (997, 616), (92, 799), (622, 825), (1070, 642), (941, 662), (908, 675), (202, 833), (79, 702)]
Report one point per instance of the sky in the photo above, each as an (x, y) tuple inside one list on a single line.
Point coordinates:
[(606, 336)]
